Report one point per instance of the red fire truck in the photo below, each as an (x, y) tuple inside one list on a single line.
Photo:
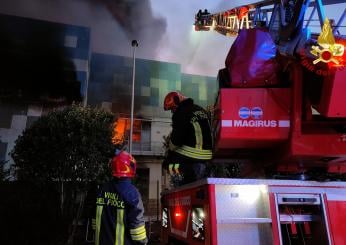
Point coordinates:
[(289, 118), (255, 211)]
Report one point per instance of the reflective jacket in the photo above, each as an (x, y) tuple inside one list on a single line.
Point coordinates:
[(119, 214), (191, 132)]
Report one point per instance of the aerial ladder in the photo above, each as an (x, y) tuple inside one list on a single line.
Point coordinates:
[(231, 21), (291, 130), (316, 110)]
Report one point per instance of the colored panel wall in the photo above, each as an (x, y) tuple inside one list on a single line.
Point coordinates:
[(201, 88), (41, 58), (111, 81), (109, 77), (36, 55)]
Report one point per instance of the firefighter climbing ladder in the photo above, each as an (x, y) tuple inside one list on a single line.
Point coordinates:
[(284, 15)]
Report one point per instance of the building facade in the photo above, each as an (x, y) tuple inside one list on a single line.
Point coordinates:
[(40, 61), (106, 81)]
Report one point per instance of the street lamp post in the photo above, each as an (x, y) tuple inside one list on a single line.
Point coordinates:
[(134, 44)]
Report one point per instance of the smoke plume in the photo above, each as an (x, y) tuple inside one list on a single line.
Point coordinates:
[(136, 19), (113, 23)]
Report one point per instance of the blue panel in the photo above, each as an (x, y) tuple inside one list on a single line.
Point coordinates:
[(97, 93), (39, 46), (8, 110), (25, 29), (143, 73), (83, 34), (81, 75), (76, 53), (154, 98), (145, 100)]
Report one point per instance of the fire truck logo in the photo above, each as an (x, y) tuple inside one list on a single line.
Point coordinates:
[(327, 49), (244, 113), (256, 113)]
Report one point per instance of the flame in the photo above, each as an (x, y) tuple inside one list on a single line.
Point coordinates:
[(121, 130)]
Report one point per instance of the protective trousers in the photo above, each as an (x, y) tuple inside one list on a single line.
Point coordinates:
[(184, 173)]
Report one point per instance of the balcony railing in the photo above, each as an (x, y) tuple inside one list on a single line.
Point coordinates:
[(153, 148)]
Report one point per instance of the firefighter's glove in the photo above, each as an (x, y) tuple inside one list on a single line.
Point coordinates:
[(173, 169)]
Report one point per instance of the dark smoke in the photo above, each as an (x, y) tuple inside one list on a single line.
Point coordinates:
[(136, 19), (111, 32)]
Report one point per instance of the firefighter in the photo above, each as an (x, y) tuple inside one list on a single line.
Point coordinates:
[(199, 16), (205, 16), (119, 207), (190, 144)]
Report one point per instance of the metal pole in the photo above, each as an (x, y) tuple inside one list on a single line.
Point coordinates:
[(311, 15), (134, 45), (320, 11), (157, 199), (85, 101)]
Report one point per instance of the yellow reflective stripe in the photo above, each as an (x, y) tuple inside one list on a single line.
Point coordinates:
[(137, 230), (100, 200), (198, 135), (119, 231), (99, 210), (138, 233), (194, 153), (139, 237)]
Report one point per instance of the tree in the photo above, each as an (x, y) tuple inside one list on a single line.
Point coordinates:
[(70, 148)]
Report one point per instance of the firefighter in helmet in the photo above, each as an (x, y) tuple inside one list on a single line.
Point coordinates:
[(119, 207), (190, 145)]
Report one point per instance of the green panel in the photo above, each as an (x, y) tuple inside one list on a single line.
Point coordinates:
[(172, 86), (154, 83), (145, 91), (154, 98), (178, 85), (201, 88), (196, 79), (202, 92), (154, 79)]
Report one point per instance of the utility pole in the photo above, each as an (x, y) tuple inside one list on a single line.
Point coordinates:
[(134, 44)]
